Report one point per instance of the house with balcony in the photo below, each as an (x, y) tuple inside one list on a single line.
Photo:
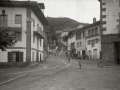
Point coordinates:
[(26, 19), (86, 41), (93, 40), (110, 31), (80, 42), (71, 42)]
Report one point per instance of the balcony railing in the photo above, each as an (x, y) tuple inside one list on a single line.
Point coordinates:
[(11, 24), (39, 31)]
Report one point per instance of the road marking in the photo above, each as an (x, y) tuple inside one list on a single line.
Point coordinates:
[(61, 51), (12, 79), (33, 70), (62, 60)]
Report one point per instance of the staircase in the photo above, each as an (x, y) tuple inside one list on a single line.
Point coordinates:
[(60, 45)]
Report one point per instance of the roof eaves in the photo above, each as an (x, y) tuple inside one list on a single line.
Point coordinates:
[(88, 26)]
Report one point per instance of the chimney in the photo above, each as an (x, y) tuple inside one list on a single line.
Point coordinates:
[(94, 20)]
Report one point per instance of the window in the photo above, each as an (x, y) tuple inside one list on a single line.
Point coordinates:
[(78, 36), (18, 19), (92, 32), (33, 38), (89, 42), (88, 32), (18, 36), (96, 40), (80, 44), (93, 43), (3, 21), (77, 44), (83, 34), (96, 30), (40, 41)]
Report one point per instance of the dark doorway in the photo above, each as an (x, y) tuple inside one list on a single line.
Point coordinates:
[(117, 52), (40, 57), (83, 52)]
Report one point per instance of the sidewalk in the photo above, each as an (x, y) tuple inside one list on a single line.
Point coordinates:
[(6, 76)]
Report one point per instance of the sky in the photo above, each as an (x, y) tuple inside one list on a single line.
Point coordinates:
[(79, 10)]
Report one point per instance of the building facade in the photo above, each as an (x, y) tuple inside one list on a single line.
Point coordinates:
[(26, 19), (93, 41), (86, 41), (110, 30)]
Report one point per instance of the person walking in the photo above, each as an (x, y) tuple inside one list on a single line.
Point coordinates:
[(69, 58), (79, 64)]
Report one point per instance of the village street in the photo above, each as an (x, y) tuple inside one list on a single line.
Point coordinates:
[(57, 74)]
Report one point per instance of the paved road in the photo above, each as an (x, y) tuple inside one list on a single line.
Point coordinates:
[(58, 74)]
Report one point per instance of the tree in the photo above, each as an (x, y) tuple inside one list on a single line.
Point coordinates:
[(7, 39), (65, 38)]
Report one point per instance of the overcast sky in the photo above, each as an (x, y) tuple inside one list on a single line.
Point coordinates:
[(79, 10)]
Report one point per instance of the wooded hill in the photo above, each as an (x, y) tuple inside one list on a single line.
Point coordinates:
[(60, 24), (63, 23)]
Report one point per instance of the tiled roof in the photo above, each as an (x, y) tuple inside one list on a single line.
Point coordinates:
[(32, 4), (86, 27)]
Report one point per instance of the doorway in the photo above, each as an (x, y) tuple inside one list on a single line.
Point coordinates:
[(95, 53), (117, 52), (40, 57)]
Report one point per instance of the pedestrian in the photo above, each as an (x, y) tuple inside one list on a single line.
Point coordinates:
[(79, 64), (66, 54), (69, 59)]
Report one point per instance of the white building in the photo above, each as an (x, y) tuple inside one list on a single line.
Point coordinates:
[(93, 40), (27, 21), (80, 42), (86, 41), (71, 42)]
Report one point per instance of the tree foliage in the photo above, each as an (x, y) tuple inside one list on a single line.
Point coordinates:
[(65, 38), (7, 39), (52, 33)]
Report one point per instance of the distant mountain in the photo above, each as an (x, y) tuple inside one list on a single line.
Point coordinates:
[(62, 23)]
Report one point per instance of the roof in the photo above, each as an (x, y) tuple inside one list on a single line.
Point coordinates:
[(32, 4), (86, 27)]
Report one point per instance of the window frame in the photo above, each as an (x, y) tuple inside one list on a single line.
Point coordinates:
[(18, 38), (17, 21)]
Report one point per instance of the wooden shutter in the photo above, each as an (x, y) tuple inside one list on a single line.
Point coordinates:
[(21, 56), (10, 57)]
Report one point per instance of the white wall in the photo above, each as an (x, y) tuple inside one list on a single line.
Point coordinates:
[(11, 12), (112, 10), (34, 45), (96, 46), (71, 40)]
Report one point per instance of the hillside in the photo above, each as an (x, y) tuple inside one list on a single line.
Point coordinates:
[(63, 23)]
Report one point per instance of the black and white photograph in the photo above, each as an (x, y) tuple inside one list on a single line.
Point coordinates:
[(59, 44)]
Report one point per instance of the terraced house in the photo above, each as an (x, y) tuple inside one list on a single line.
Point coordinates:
[(110, 30), (93, 40), (87, 41), (26, 19)]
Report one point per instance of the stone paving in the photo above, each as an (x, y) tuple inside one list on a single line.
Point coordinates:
[(58, 74)]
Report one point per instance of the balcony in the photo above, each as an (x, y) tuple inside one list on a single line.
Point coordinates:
[(11, 25), (39, 32)]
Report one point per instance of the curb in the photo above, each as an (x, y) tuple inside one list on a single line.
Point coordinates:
[(12, 79)]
